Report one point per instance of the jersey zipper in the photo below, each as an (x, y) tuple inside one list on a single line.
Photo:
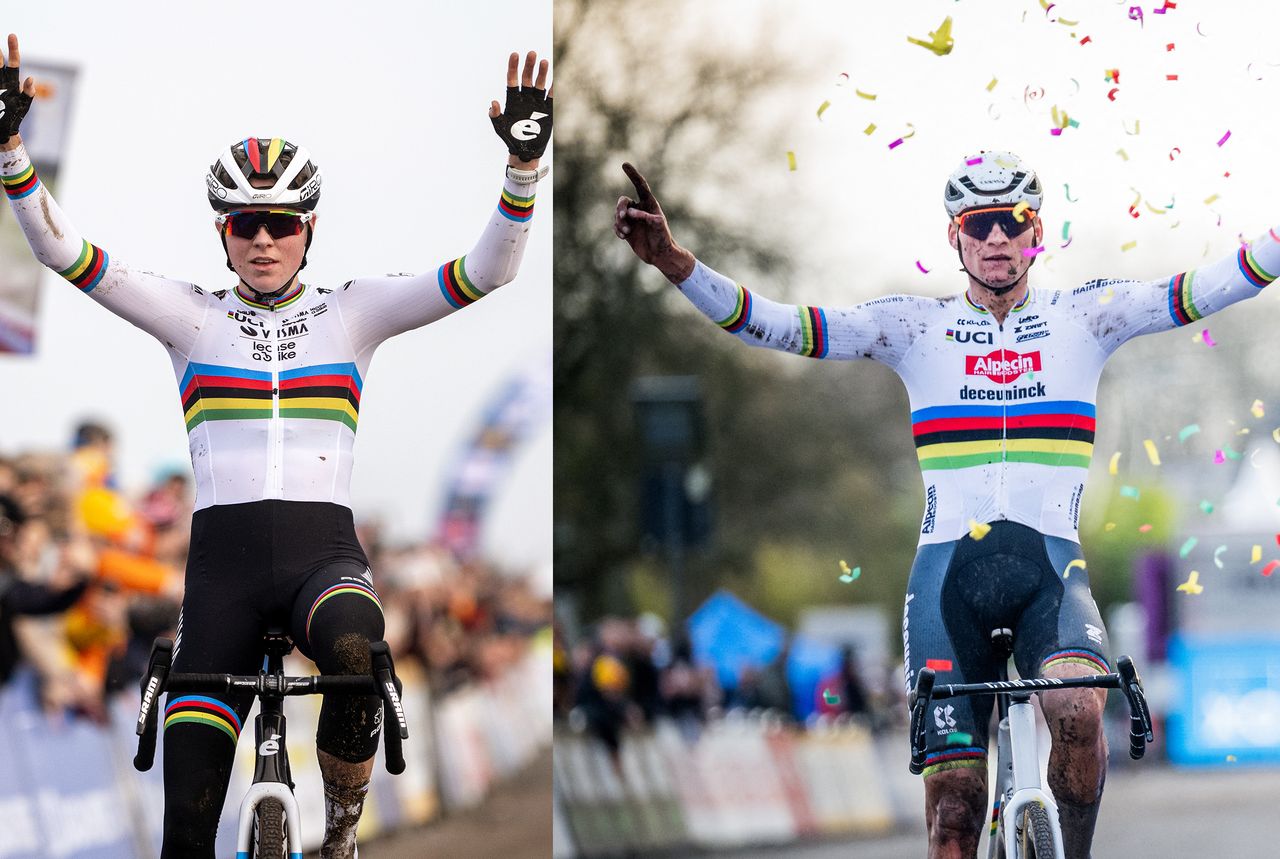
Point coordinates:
[(1002, 491), (275, 432)]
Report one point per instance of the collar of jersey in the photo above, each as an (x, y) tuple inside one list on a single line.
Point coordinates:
[(978, 308), (285, 300)]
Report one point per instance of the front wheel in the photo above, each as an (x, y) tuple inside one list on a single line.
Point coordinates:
[(1037, 834), (269, 840)]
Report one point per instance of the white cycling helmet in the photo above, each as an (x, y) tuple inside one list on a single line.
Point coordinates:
[(294, 177), (992, 179)]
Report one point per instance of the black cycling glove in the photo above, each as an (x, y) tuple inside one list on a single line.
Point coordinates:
[(14, 103), (525, 123)]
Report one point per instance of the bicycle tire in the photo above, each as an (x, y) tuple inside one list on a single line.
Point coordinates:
[(269, 840), (1037, 833)]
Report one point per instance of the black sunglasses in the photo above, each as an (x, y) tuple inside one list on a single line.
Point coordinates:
[(280, 223), (978, 222)]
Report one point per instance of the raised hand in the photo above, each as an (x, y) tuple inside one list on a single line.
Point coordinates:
[(642, 225), (15, 99), (525, 123)]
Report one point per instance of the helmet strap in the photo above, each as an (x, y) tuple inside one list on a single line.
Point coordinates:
[(995, 290), (292, 278)]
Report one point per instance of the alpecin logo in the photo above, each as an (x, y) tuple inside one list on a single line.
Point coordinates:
[(1002, 365)]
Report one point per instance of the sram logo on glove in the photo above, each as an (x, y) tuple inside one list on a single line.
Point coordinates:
[(1002, 365), (528, 129)]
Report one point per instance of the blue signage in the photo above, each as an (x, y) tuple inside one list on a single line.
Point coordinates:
[(1228, 700)]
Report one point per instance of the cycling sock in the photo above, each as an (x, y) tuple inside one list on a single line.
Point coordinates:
[(1078, 820), (343, 805)]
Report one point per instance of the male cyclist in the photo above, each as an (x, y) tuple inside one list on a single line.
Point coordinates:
[(1002, 381), (270, 375)]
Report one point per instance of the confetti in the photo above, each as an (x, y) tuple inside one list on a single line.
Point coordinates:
[(791, 160), (1123, 154), (869, 96), (1173, 150), (847, 575), (1066, 228), (1192, 584), (1128, 246), (1066, 189), (1137, 127), (1208, 201), (830, 697), (1022, 206), (1030, 252), (1258, 409), (1201, 32), (972, 161), (1152, 453), (1224, 137), (1206, 506), (992, 85), (1208, 341), (1110, 526), (1135, 14), (1187, 547), (1166, 7), (1217, 555), (938, 664), (1270, 567), (1171, 77), (1257, 554), (1219, 457), (1112, 75), (1077, 564), (870, 128), (1130, 492), (978, 530), (1230, 758), (822, 107), (1111, 96), (1086, 40), (940, 41), (1188, 431), (895, 144), (1142, 529), (1275, 435), (1107, 296), (1115, 461), (1231, 454), (1169, 47)]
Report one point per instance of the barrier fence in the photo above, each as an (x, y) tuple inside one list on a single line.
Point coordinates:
[(69, 788), (741, 782)]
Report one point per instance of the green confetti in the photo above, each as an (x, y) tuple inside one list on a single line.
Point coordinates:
[(830, 697), (1188, 431), (1130, 492), (1206, 507), (848, 575), (1187, 547), (1231, 454)]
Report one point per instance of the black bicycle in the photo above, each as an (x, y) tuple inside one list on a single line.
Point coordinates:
[(270, 825)]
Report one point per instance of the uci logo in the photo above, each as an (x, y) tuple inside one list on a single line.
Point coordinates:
[(528, 129), (961, 336)]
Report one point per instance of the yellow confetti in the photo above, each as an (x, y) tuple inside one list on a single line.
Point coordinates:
[(1137, 127), (1022, 206), (1256, 555), (867, 95), (1275, 434), (992, 85), (1208, 200), (1152, 453), (940, 41), (1258, 409), (1192, 584), (1077, 564), (911, 133), (1122, 154), (1112, 468), (1128, 246), (1110, 526), (978, 530), (870, 128), (791, 160), (1107, 296), (822, 107), (1231, 759), (1155, 209)]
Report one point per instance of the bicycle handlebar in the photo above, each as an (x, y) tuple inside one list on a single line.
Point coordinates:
[(381, 681), (1125, 679)]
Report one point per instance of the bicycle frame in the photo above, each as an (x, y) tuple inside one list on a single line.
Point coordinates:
[(1018, 775)]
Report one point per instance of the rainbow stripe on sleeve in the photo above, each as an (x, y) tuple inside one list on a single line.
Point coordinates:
[(1181, 306), (88, 269), (458, 290), (329, 392), (202, 710), (1253, 272), (349, 587), (813, 330), (214, 393), (741, 315), (515, 208), (1049, 433), (21, 185)]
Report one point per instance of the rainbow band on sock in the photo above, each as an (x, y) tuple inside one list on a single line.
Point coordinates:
[(741, 315), (88, 269), (203, 710), (516, 208), (1075, 656), (813, 329), (22, 185), (365, 591), (954, 758), (1253, 272), (458, 290)]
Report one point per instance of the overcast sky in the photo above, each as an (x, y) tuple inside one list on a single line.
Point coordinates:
[(392, 106)]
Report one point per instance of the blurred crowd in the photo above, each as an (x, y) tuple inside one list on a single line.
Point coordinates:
[(626, 673), (91, 574)]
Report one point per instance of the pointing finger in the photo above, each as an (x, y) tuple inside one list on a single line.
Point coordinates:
[(513, 65), (642, 186)]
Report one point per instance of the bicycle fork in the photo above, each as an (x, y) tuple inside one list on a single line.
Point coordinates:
[(1018, 779), (271, 780)]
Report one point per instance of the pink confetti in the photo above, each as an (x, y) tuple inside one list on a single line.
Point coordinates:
[(973, 161), (1171, 77), (895, 144), (1142, 529), (1030, 252), (1169, 47), (1208, 341), (1224, 137), (922, 268), (1135, 14), (1270, 568), (1055, 131), (1219, 457)]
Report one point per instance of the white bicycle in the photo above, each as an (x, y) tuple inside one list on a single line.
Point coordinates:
[(1024, 814)]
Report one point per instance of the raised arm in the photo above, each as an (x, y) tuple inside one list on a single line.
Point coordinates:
[(882, 329), (1117, 310), (375, 308), (169, 310)]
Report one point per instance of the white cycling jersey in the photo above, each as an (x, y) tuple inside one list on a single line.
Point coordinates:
[(270, 393), (1003, 415)]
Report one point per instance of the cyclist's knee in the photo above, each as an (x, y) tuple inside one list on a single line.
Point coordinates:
[(956, 804), (1074, 716)]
